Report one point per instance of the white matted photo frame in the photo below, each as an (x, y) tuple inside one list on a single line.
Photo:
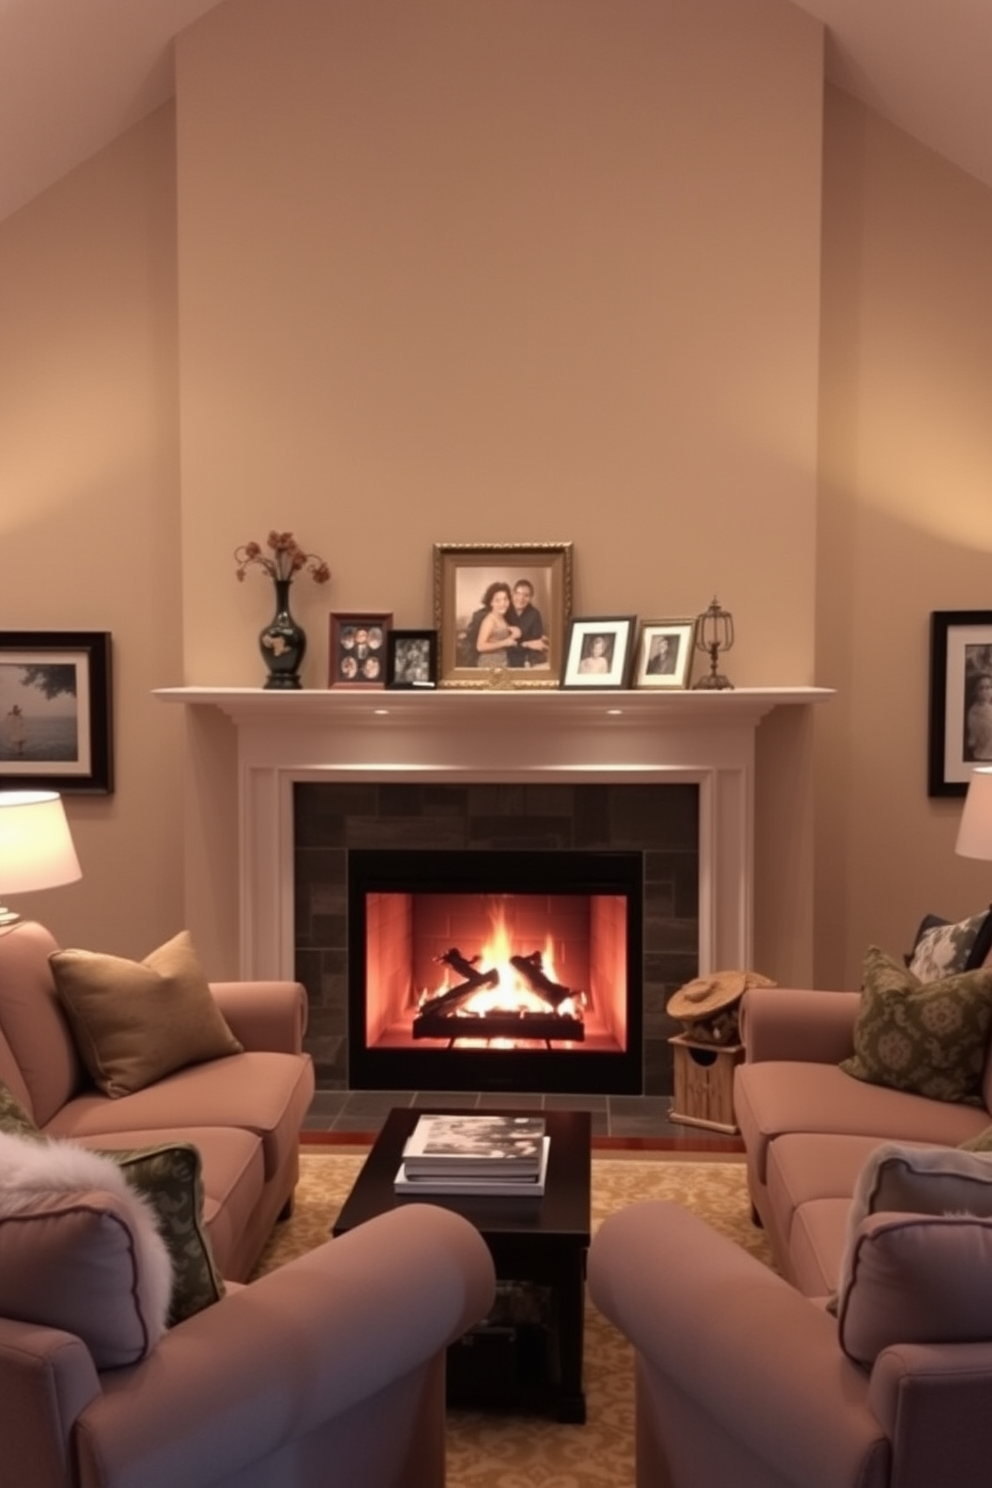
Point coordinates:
[(411, 658), (960, 698), (501, 610), (357, 653), (599, 651), (664, 653), (56, 710)]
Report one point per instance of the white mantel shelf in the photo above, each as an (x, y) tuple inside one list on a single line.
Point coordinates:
[(550, 735), (447, 704)]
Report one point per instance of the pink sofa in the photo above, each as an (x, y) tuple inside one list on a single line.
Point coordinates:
[(809, 1128), (760, 1380), (328, 1371), (244, 1113)]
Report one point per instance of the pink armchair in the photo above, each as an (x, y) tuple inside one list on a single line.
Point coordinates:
[(329, 1371)]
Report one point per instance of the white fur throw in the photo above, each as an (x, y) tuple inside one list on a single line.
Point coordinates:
[(80, 1249)]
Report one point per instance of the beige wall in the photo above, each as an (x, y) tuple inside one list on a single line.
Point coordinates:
[(89, 520), (501, 272), (904, 524), (515, 270)]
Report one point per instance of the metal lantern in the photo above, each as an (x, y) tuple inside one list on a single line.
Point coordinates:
[(714, 633)]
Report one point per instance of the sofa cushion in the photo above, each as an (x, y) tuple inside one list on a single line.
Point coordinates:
[(79, 1250), (942, 949), (929, 1038), (13, 1117), (916, 1278), (136, 1022), (169, 1176), (903, 1179)]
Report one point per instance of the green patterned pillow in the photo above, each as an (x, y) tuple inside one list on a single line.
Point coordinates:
[(928, 1038), (13, 1117), (170, 1177)]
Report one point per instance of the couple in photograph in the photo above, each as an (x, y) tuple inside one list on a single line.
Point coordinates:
[(508, 630)]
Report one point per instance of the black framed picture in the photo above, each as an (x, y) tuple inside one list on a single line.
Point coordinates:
[(960, 698), (56, 723), (599, 651), (411, 658)]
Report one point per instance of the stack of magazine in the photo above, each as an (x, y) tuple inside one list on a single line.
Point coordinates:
[(478, 1154)]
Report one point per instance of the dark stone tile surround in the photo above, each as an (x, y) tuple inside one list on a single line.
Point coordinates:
[(662, 821)]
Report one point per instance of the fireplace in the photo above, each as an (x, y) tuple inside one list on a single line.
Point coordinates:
[(495, 970), (260, 864)]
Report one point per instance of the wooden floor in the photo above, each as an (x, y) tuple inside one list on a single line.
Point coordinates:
[(628, 1121)]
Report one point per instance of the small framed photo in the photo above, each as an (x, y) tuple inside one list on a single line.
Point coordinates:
[(56, 719), (411, 658), (501, 611), (599, 651), (960, 698), (664, 653), (358, 649)]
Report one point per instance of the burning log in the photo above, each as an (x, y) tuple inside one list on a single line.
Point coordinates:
[(531, 968), (475, 981), (520, 1027)]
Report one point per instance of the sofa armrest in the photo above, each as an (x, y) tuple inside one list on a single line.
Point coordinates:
[(268, 1017), (804, 1026), (279, 1359), (46, 1378), (932, 1400), (760, 1363)]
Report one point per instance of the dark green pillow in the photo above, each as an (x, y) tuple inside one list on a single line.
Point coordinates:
[(14, 1118), (170, 1176), (927, 1038)]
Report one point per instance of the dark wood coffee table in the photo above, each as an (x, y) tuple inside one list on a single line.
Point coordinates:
[(540, 1242)]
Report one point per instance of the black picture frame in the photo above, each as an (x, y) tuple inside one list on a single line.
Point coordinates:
[(599, 651), (960, 739), (48, 742), (411, 659)]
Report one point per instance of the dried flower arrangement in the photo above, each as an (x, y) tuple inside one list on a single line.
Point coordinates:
[(287, 560)]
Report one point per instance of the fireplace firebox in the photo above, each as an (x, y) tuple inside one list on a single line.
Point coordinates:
[(495, 970)]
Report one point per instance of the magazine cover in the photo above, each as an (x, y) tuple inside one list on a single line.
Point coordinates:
[(475, 1144)]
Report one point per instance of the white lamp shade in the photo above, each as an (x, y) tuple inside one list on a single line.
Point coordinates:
[(975, 831), (36, 850)]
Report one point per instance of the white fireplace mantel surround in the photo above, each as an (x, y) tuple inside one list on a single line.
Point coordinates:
[(461, 736)]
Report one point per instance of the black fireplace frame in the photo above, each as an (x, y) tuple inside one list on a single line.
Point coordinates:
[(558, 1070)]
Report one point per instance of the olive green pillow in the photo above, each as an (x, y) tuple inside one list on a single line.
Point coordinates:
[(170, 1177), (928, 1038), (137, 1021), (14, 1118)]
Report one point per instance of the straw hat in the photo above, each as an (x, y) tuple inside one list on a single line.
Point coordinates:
[(701, 999)]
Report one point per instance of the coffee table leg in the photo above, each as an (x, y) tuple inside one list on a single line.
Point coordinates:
[(570, 1287)]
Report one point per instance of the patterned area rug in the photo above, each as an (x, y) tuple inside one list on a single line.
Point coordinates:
[(502, 1451)]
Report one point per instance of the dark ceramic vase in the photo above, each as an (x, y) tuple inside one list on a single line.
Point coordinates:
[(283, 643)]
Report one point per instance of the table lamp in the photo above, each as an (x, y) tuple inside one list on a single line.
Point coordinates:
[(36, 850), (975, 831)]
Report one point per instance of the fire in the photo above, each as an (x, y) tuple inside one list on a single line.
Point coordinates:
[(511, 994)]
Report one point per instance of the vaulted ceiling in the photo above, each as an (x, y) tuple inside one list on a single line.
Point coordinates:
[(75, 73)]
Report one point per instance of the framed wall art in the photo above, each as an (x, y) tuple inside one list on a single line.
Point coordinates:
[(599, 651), (664, 653), (960, 698), (501, 611), (56, 724), (358, 650), (411, 658)]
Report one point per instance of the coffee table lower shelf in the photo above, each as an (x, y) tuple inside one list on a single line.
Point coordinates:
[(527, 1355)]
